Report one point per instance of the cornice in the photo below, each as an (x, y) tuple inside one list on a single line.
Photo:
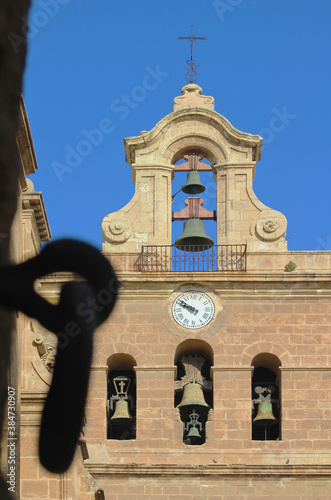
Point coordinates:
[(34, 200), (32, 397), (155, 368), (25, 146), (236, 286), (231, 369), (305, 368), (214, 470)]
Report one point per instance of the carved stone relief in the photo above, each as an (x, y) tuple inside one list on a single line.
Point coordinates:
[(270, 227), (46, 345), (193, 368), (116, 230)]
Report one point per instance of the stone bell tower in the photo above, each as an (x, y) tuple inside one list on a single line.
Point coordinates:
[(203, 385), (211, 378), (193, 126)]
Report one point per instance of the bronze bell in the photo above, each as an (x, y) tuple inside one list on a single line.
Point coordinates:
[(194, 235), (194, 435), (193, 397), (121, 413), (193, 183), (265, 416)]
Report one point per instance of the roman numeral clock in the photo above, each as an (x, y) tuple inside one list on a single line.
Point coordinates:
[(193, 309)]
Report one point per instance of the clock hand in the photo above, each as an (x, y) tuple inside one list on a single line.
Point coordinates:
[(190, 308)]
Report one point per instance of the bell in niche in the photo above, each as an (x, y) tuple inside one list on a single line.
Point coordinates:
[(194, 434), (265, 416), (192, 425), (121, 413), (193, 183), (193, 397), (194, 235)]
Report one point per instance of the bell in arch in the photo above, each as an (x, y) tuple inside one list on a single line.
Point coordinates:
[(193, 183), (193, 397), (194, 234), (121, 413), (265, 416)]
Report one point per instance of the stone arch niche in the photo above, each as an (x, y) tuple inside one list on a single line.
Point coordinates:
[(193, 124), (266, 397), (121, 397), (194, 388)]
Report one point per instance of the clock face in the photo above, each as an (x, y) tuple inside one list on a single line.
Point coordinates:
[(193, 309)]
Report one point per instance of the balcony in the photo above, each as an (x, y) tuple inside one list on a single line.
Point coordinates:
[(168, 258)]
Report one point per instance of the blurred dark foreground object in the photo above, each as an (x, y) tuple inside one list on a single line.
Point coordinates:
[(73, 320)]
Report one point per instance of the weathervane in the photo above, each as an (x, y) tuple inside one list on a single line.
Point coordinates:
[(191, 74)]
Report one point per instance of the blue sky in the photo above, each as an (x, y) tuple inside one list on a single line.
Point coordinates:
[(262, 58)]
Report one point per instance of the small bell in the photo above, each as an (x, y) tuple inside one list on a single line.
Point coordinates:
[(121, 413), (194, 436)]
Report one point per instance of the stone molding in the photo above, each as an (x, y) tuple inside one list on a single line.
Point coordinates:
[(25, 146), (232, 369), (29, 225), (32, 404), (305, 368), (233, 470), (33, 397), (32, 200), (149, 142), (103, 369), (241, 286), (155, 368)]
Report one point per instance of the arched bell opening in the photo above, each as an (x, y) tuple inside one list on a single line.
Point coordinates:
[(194, 388), (194, 202), (266, 395), (121, 398)]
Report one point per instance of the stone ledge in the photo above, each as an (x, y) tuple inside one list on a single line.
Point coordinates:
[(33, 200), (134, 469)]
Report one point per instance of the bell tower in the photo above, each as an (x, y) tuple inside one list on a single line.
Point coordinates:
[(212, 377), (202, 383), (193, 131)]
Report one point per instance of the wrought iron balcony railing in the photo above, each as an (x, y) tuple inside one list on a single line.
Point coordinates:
[(165, 258)]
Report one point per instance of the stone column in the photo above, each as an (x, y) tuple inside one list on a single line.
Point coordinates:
[(235, 207), (232, 405), (146, 219), (156, 423), (96, 415), (241, 217)]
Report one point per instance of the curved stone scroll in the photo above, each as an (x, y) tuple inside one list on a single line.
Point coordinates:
[(116, 230), (271, 225), (73, 320)]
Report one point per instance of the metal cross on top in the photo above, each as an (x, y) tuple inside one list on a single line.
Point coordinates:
[(191, 74)]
